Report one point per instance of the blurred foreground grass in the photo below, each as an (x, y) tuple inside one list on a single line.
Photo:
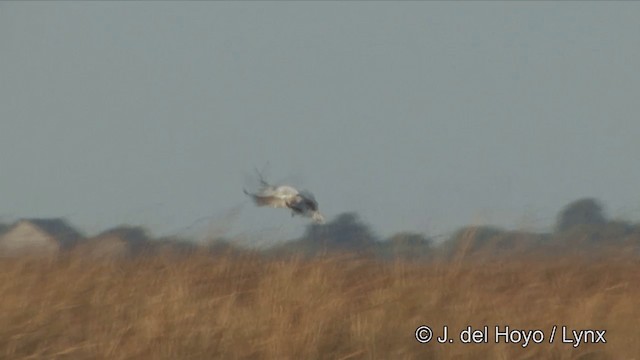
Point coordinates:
[(201, 306)]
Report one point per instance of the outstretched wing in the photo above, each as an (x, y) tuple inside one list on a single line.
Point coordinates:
[(267, 200), (279, 197)]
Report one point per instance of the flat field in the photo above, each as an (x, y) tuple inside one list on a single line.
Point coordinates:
[(247, 306)]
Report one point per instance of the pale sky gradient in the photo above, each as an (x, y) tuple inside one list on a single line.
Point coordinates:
[(420, 116)]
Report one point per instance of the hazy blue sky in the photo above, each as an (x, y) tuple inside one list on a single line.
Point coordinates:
[(418, 116)]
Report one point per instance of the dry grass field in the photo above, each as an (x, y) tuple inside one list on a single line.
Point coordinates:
[(246, 306)]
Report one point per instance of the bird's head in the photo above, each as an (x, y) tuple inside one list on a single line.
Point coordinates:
[(317, 217)]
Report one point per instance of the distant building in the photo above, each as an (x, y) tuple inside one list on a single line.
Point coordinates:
[(38, 236)]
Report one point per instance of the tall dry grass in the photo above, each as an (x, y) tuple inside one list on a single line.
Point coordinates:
[(239, 306)]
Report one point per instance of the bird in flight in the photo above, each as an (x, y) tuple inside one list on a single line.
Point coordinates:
[(301, 203)]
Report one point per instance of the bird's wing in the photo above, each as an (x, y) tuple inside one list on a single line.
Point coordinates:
[(285, 192), (267, 200)]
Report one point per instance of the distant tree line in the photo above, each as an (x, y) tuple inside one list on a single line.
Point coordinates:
[(581, 227)]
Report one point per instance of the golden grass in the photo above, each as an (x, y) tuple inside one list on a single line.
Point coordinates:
[(336, 307)]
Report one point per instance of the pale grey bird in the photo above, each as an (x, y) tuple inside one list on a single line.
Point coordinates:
[(284, 196)]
